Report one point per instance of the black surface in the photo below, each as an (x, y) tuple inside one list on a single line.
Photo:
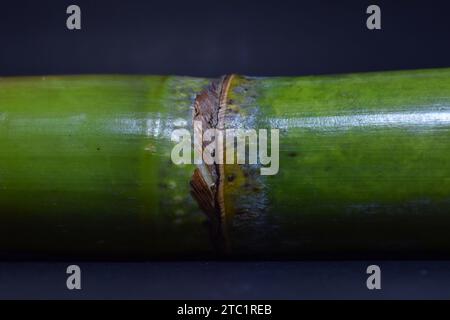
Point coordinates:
[(210, 38), (222, 280)]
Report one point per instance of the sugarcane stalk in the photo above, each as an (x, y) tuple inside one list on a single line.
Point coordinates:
[(86, 169)]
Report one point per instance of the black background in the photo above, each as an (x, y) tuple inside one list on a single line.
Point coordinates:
[(210, 38)]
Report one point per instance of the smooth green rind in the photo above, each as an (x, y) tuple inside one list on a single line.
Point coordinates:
[(85, 167), (364, 164)]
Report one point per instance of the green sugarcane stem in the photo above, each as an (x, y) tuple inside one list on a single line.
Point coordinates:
[(85, 168)]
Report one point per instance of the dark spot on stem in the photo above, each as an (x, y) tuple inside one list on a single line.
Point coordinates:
[(163, 185), (292, 154)]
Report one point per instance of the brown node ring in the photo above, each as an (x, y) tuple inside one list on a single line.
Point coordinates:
[(207, 182)]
